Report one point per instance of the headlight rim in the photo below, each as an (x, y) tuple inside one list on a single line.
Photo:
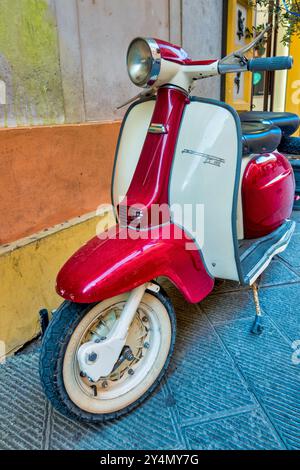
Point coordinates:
[(155, 62)]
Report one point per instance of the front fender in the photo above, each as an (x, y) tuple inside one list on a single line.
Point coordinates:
[(127, 258)]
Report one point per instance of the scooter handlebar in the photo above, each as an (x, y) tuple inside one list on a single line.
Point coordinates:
[(267, 64)]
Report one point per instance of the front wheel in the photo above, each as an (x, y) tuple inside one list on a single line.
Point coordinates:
[(150, 341)]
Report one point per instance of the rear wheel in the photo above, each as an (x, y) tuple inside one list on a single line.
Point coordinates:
[(290, 145), (150, 343)]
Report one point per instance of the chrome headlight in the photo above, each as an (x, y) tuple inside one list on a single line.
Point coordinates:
[(143, 62)]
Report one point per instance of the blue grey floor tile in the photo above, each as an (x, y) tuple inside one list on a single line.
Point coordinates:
[(28, 421), (278, 273), (222, 286), (23, 406), (292, 254), (297, 229), (202, 379), (229, 306), (296, 216), (266, 363), (148, 427), (282, 304), (226, 389), (245, 431), (239, 303), (33, 346)]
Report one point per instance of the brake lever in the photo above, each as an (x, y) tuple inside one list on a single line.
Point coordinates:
[(243, 59), (241, 52)]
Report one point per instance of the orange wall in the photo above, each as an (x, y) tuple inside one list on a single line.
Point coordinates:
[(52, 173)]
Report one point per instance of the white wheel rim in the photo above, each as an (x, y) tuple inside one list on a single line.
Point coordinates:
[(127, 389)]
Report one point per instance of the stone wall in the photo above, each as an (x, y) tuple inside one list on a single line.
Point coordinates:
[(63, 61)]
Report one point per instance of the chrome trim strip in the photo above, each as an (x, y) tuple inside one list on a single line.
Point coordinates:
[(157, 129), (156, 61)]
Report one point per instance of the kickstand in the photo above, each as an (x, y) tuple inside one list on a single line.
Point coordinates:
[(257, 327)]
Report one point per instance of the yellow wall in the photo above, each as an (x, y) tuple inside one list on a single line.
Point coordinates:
[(232, 45), (293, 84), (280, 84), (28, 270)]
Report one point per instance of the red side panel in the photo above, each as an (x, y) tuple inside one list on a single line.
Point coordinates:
[(172, 52), (128, 258), (268, 194), (150, 181), (176, 54)]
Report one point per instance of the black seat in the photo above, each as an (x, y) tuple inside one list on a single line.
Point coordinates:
[(260, 137), (287, 122)]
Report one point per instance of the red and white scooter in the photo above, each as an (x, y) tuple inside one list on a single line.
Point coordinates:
[(109, 344)]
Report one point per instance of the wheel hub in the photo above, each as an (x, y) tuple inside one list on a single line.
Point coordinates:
[(134, 350)]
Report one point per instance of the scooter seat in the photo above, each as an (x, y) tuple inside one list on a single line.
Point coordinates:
[(287, 122), (260, 137)]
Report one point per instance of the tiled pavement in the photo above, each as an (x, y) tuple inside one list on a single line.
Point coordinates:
[(226, 389)]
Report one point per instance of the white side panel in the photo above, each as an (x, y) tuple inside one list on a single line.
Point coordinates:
[(130, 147), (204, 172)]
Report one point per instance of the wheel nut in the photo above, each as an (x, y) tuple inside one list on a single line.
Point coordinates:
[(145, 319), (128, 355), (92, 357), (146, 345), (104, 384), (130, 371)]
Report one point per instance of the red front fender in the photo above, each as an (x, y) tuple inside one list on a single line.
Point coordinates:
[(128, 258)]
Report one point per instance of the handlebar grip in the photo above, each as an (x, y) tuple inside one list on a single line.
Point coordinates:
[(270, 63)]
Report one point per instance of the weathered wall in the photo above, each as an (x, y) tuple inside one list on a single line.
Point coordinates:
[(98, 35), (106, 28), (64, 60), (29, 63), (202, 38)]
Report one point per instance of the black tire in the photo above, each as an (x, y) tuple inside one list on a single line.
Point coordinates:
[(290, 145), (54, 345)]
